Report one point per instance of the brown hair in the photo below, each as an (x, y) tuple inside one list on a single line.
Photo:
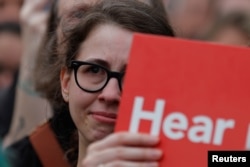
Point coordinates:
[(159, 6), (238, 20)]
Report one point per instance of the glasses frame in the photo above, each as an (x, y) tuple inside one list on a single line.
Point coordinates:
[(110, 74)]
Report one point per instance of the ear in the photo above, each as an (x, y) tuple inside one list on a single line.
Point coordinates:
[(64, 79)]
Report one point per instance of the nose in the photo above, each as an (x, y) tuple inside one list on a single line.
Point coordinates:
[(111, 93)]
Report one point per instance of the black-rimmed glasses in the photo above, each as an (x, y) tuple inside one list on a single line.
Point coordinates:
[(92, 77)]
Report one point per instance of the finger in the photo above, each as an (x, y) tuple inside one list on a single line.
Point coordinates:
[(37, 19), (124, 138), (27, 1), (125, 153), (41, 4), (38, 22), (30, 8), (131, 164), (25, 12), (122, 163)]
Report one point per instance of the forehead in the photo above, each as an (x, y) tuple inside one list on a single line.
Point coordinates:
[(99, 42)]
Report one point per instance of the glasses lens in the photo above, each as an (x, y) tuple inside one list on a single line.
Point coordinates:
[(91, 77)]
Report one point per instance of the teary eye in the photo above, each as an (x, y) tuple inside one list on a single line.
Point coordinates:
[(94, 69)]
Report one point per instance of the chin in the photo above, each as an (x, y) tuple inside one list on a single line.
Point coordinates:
[(100, 135)]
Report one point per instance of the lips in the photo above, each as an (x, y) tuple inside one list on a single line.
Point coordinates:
[(104, 117)]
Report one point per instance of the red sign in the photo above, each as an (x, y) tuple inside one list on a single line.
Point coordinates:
[(194, 95)]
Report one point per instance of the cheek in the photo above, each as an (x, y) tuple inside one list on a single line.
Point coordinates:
[(79, 102)]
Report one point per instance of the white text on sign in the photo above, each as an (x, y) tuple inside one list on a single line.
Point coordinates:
[(175, 125)]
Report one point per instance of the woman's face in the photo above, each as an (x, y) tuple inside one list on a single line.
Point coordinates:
[(94, 114)]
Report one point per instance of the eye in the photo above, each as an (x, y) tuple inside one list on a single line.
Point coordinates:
[(94, 69), (91, 70)]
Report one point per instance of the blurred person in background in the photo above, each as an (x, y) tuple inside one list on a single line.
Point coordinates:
[(10, 52), (33, 18), (9, 10), (230, 29), (10, 56), (225, 7), (190, 18)]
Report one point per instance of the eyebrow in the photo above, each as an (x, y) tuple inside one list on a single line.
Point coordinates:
[(103, 63), (99, 62)]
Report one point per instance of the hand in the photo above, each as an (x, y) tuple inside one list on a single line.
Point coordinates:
[(33, 15), (123, 149), (33, 18)]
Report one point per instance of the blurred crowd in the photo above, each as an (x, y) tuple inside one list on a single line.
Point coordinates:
[(224, 21), (22, 30)]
